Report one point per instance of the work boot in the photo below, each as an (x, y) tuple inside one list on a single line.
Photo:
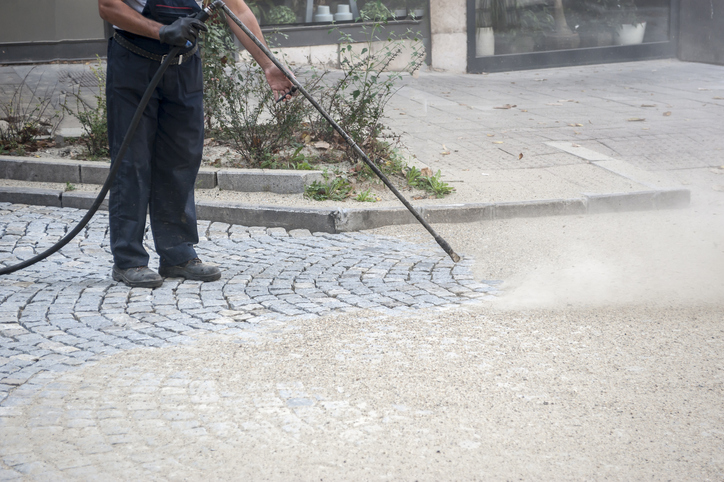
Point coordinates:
[(193, 269), (139, 277)]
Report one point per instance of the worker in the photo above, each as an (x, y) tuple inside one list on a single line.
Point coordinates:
[(158, 173)]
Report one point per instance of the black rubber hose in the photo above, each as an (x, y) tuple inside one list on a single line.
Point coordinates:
[(111, 174), (440, 241)]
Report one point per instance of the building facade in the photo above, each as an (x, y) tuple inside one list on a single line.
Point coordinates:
[(459, 35)]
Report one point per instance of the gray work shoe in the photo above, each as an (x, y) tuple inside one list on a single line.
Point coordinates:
[(194, 269), (140, 277)]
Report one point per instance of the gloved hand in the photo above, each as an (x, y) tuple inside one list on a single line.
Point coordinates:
[(183, 30)]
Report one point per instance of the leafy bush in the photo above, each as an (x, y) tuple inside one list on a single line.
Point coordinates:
[(27, 115), (374, 10), (217, 52), (357, 100), (93, 118), (281, 14)]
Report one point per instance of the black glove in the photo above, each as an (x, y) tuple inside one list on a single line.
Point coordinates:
[(183, 30)]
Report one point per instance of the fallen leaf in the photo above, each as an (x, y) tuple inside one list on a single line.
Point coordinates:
[(636, 119), (524, 110), (208, 141), (648, 105), (520, 156), (554, 103), (497, 142), (575, 145), (417, 198), (506, 106), (575, 125), (718, 98), (667, 114), (426, 171), (402, 113), (445, 153), (491, 135), (322, 145)]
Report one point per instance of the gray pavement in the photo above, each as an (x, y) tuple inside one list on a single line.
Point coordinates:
[(371, 355)]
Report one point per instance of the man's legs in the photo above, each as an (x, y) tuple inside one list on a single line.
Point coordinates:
[(127, 78), (176, 161)]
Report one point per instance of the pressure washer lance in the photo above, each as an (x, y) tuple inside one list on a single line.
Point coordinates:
[(204, 15), (297, 86)]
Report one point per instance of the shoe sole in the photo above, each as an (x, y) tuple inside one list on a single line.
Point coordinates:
[(136, 284), (171, 273)]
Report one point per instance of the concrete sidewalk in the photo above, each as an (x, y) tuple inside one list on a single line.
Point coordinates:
[(545, 142)]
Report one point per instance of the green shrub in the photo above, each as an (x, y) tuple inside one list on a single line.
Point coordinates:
[(93, 118), (27, 114)]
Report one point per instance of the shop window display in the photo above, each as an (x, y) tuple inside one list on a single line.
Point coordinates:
[(524, 26), (313, 12)]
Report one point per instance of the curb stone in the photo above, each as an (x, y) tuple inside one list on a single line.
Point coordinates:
[(90, 172), (338, 220)]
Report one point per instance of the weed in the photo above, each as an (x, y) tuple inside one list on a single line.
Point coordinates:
[(69, 187), (367, 197), (337, 189), (430, 183), (93, 119)]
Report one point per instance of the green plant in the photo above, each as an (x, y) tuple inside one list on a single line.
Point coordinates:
[(430, 183), (375, 11), (484, 13), (93, 118), (367, 197), (258, 126), (217, 53), (336, 189), (357, 99), (69, 187), (27, 114), (281, 14)]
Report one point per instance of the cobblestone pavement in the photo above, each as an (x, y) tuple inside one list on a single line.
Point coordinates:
[(67, 310)]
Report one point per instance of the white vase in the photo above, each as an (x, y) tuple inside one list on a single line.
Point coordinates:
[(400, 13), (629, 34), (323, 14), (484, 41), (343, 14)]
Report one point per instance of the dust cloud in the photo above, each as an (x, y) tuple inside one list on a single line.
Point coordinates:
[(655, 258)]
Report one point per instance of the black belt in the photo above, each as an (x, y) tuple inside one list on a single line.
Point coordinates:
[(127, 44)]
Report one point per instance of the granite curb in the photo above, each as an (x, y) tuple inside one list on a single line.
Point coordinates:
[(339, 220), (90, 172)]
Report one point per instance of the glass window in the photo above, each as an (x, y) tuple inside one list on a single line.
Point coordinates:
[(300, 12), (522, 26)]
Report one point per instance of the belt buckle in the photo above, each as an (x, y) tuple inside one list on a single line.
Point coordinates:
[(180, 59)]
